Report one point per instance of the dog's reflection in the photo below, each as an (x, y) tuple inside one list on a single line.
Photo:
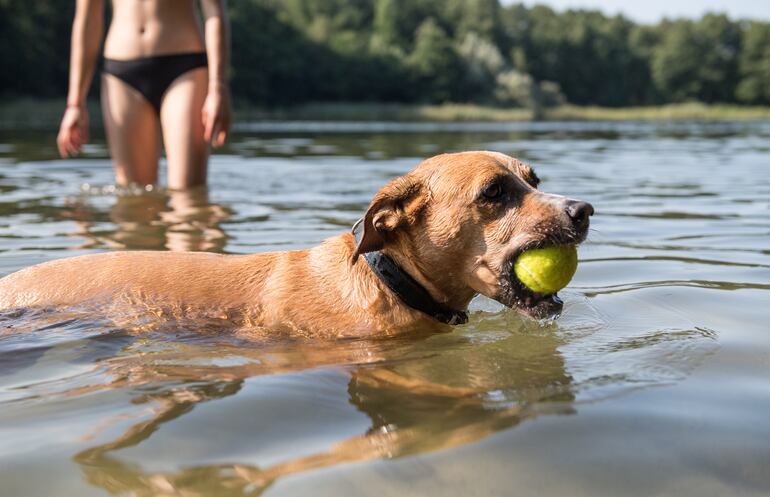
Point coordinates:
[(157, 220), (448, 393)]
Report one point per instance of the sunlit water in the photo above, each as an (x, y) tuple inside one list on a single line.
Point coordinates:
[(654, 381)]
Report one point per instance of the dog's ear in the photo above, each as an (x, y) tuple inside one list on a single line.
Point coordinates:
[(526, 173), (397, 204)]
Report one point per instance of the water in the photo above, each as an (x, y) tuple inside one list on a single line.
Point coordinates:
[(653, 382)]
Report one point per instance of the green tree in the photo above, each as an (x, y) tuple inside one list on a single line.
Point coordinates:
[(643, 41), (754, 65), (269, 72), (385, 35), (35, 43), (474, 16), (482, 62), (676, 62), (279, 64), (320, 19), (434, 63), (698, 60), (585, 52)]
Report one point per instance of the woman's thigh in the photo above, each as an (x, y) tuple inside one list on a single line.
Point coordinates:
[(180, 115), (133, 132)]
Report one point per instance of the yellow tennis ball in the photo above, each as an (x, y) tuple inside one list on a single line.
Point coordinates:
[(546, 270)]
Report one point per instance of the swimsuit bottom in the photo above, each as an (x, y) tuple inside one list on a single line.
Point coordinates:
[(151, 76)]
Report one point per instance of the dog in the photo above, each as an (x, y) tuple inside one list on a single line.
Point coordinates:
[(429, 242)]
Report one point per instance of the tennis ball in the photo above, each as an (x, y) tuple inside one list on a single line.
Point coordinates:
[(546, 270)]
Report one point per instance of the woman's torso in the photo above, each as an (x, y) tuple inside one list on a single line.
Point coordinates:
[(144, 28)]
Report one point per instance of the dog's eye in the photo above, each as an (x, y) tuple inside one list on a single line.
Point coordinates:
[(493, 191)]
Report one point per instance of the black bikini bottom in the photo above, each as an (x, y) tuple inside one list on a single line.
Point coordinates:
[(151, 76)]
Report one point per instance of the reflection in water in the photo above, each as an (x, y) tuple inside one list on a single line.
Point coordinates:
[(155, 220), (423, 403)]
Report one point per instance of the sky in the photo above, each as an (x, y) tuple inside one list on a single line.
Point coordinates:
[(651, 11)]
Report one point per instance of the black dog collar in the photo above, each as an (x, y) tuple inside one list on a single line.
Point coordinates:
[(408, 290)]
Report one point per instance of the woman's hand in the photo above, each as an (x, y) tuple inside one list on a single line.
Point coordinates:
[(73, 132), (217, 116)]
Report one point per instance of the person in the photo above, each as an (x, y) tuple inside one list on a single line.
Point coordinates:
[(160, 77)]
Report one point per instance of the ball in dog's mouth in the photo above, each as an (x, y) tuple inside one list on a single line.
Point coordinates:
[(532, 304), (515, 294), (546, 270)]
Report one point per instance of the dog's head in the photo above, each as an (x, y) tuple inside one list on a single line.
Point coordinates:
[(458, 222)]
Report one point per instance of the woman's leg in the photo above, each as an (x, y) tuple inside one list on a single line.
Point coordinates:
[(133, 132), (180, 115)]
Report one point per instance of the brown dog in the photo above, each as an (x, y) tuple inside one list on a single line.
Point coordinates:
[(453, 226)]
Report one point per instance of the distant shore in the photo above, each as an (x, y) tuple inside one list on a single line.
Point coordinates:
[(45, 113), (471, 112)]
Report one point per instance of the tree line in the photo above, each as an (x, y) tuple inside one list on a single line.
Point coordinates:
[(433, 51)]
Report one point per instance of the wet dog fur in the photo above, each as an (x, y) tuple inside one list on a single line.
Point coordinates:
[(455, 223)]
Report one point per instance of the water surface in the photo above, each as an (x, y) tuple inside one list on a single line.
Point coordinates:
[(653, 382)]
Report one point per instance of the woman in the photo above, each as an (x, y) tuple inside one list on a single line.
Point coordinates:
[(159, 78)]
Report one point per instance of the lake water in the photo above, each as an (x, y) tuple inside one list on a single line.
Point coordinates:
[(654, 381)]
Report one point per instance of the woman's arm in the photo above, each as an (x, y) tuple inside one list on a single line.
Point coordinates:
[(86, 40), (217, 113)]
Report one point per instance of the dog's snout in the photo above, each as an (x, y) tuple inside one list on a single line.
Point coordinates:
[(579, 212)]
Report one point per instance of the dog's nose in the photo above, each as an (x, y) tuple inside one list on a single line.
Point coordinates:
[(579, 212)]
